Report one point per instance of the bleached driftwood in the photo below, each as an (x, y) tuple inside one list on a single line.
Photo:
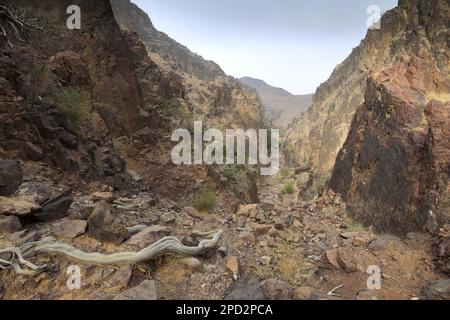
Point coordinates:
[(18, 256), (13, 24)]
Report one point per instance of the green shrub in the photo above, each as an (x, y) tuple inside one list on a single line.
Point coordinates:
[(72, 109), (284, 172), (237, 176), (204, 201), (288, 188)]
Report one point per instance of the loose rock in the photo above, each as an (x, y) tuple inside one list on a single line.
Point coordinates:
[(148, 236), (103, 226), (9, 224), (10, 177), (69, 228), (147, 290)]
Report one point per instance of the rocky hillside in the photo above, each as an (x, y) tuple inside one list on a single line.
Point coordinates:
[(394, 167), (63, 91), (316, 138), (281, 106), (210, 95)]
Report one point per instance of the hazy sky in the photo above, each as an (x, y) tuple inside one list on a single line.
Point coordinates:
[(293, 44)]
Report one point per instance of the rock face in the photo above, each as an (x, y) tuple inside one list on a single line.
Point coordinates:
[(394, 167), (10, 177), (218, 99), (316, 138), (280, 105), (61, 106)]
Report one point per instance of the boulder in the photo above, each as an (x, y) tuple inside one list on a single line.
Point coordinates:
[(438, 290), (10, 177), (277, 290), (147, 290), (56, 207), (346, 260), (103, 225), (246, 288), (148, 236), (9, 224), (17, 205), (69, 228)]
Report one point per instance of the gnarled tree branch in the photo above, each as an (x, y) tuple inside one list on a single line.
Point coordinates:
[(167, 245)]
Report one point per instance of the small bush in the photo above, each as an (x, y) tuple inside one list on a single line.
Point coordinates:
[(204, 201), (237, 176), (288, 189), (72, 106), (284, 172), (355, 227)]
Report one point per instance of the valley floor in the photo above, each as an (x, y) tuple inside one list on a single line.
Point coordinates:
[(282, 248)]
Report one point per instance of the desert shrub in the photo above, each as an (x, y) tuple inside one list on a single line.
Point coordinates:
[(204, 201), (288, 188), (284, 172), (354, 226), (72, 109), (237, 176)]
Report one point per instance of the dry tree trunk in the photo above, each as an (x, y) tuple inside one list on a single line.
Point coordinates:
[(14, 25), (169, 245)]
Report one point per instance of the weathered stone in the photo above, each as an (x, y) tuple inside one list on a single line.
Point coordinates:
[(378, 245), (277, 290), (192, 263), (32, 151), (70, 68), (346, 260), (331, 257), (69, 228), (168, 218), (9, 224), (147, 290), (247, 237), (192, 212), (103, 226), (17, 205), (102, 196), (250, 210), (306, 293), (10, 177), (233, 265), (56, 207), (2, 290), (148, 236), (260, 229), (438, 290), (119, 279), (246, 288)]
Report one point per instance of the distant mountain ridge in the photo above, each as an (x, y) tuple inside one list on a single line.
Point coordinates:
[(280, 105)]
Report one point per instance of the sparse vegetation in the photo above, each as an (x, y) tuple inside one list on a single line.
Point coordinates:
[(204, 201), (288, 189), (354, 226), (284, 172), (237, 176), (72, 109)]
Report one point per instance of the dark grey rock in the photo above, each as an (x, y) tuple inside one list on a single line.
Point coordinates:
[(10, 177), (246, 288)]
